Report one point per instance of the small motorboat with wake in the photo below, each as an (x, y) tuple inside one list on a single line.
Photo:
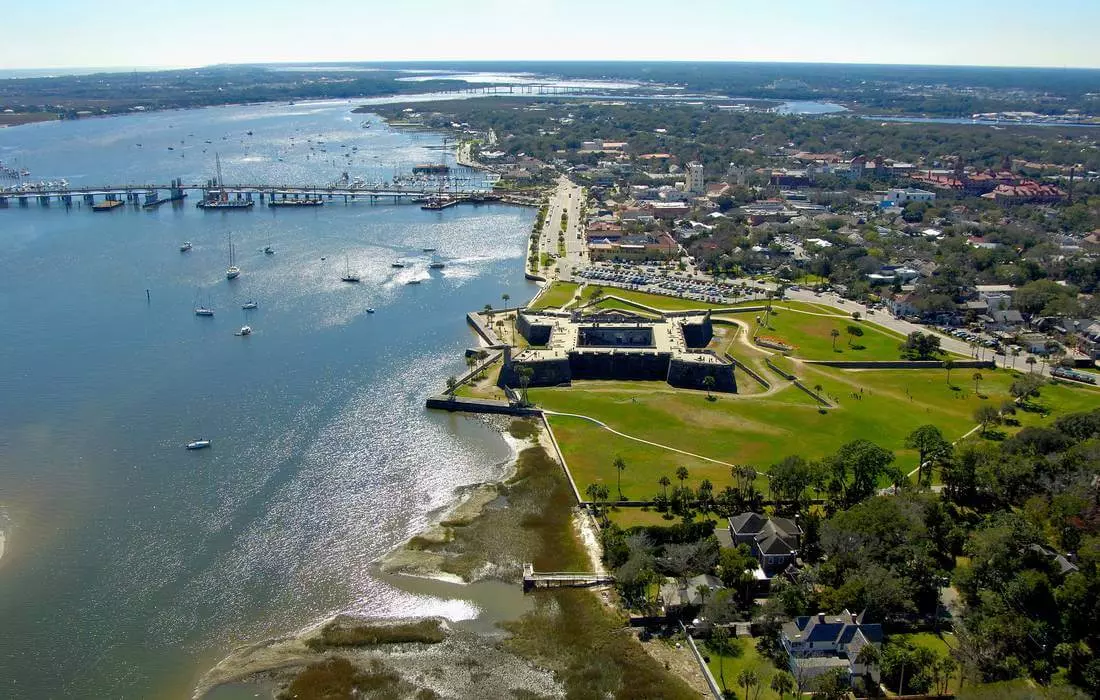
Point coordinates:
[(203, 311), (186, 247), (249, 305), (198, 444), (245, 330)]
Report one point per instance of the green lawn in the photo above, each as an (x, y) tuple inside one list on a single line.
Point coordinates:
[(559, 293), (761, 430), (725, 669), (621, 305), (656, 301), (485, 387), (810, 336)]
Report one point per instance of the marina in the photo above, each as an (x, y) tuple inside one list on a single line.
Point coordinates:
[(299, 423)]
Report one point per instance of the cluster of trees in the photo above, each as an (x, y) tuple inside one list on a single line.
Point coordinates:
[(709, 135), (1016, 528), (921, 346)]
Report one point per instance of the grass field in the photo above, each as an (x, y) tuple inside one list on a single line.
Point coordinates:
[(486, 387), (759, 430), (559, 293), (656, 301), (726, 668), (809, 335)]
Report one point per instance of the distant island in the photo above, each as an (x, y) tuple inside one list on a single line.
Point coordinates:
[(887, 90)]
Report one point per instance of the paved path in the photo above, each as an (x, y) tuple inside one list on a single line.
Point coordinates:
[(608, 428)]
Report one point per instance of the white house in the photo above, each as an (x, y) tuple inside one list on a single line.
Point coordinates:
[(904, 195)]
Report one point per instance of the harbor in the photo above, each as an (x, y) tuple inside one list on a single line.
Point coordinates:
[(318, 411)]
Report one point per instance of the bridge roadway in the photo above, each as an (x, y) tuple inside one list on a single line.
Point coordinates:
[(289, 191)]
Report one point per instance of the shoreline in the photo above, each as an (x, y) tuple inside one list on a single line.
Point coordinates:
[(267, 664)]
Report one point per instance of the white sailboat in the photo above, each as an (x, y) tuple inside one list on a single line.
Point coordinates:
[(232, 272), (348, 276)]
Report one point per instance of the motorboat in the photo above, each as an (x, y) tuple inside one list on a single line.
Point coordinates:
[(198, 444), (413, 282), (436, 266), (428, 250), (397, 263), (185, 247), (268, 250), (245, 330), (249, 305), (203, 311), (370, 309)]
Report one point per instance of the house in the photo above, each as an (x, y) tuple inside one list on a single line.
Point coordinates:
[(1025, 191), (1064, 565), (773, 541), (996, 300), (901, 305), (818, 643), (1003, 320), (903, 195), (679, 596)]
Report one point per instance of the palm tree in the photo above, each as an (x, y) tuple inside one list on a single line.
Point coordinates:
[(977, 380), (620, 467), (704, 592), (664, 481), (1015, 354), (782, 683), (593, 492), (1030, 363), (949, 365), (818, 388), (708, 384), (525, 373), (682, 475), (452, 384), (505, 297), (746, 679), (834, 334), (488, 308)]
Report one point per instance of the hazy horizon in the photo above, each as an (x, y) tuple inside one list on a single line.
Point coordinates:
[(934, 33)]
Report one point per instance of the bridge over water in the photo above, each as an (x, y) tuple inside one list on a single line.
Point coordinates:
[(155, 194)]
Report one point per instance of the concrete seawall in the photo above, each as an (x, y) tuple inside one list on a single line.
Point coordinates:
[(446, 402)]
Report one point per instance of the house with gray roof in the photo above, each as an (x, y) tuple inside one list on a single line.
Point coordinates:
[(819, 643), (773, 541), (677, 596)]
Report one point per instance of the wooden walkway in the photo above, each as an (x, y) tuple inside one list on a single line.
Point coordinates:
[(561, 579)]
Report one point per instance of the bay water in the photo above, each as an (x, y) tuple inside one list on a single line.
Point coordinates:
[(130, 564)]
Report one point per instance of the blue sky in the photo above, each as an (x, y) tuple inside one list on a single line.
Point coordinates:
[(71, 33)]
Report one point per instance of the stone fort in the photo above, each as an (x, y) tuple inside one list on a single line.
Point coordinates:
[(613, 344)]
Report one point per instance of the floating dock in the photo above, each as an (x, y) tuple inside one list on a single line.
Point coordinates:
[(107, 205)]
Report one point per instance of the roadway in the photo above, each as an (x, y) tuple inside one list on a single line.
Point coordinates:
[(567, 199)]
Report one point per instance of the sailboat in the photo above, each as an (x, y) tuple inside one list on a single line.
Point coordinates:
[(348, 276), (232, 272)]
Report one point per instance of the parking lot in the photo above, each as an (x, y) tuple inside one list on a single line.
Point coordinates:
[(655, 280)]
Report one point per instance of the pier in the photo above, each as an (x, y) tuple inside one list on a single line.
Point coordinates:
[(152, 195), (533, 580)]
